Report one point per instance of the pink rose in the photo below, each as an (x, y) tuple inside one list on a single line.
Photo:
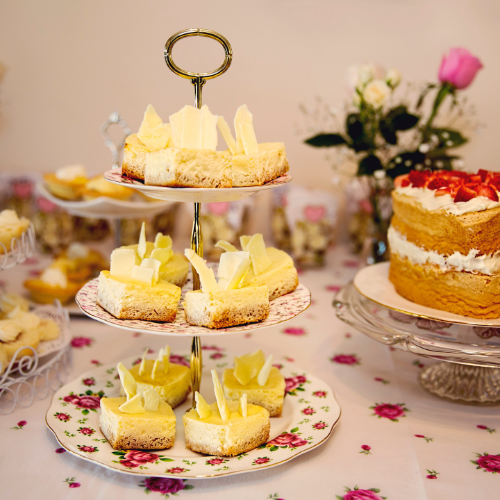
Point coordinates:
[(308, 411), (86, 430), (459, 68), (262, 460), (366, 447), (282, 440), (87, 449), (89, 402), (62, 416), (319, 425), (46, 206), (216, 355), (361, 495), (319, 394), (164, 485), (345, 359), (74, 485), (215, 461), (22, 423), (78, 342), (178, 360), (389, 411), (60, 450), (140, 458), (88, 381), (490, 463), (22, 189), (301, 379), (294, 331), (175, 470), (290, 384)]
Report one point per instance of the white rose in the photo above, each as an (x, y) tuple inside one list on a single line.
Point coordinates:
[(376, 93), (393, 78), (358, 76)]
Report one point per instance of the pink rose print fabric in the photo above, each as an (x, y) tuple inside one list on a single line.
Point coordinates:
[(80, 342), (487, 462), (346, 359), (361, 494), (164, 485), (390, 411), (295, 331)]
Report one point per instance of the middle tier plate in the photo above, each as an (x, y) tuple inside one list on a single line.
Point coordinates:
[(195, 195), (281, 309)]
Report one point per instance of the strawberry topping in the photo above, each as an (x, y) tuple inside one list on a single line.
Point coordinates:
[(464, 194), (418, 178), (461, 186), (437, 183), (487, 192)]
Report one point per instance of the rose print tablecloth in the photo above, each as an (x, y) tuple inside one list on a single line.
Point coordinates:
[(393, 441)]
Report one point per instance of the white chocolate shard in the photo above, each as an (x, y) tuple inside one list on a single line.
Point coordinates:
[(221, 399), (133, 405), (142, 247), (265, 371), (202, 407), (151, 400), (127, 380), (209, 129), (226, 246), (207, 278), (243, 406), (226, 133)]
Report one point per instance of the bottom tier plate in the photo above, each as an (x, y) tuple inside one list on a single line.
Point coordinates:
[(310, 414)]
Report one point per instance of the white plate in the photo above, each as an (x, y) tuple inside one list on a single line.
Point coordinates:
[(196, 195), (373, 283), (306, 430), (106, 208), (281, 309)]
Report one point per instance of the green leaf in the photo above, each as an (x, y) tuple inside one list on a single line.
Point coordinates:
[(164, 459), (388, 133), (85, 412), (448, 138), (398, 118), (325, 140), (424, 94), (273, 448), (369, 164), (354, 127), (295, 429), (375, 490), (147, 491), (188, 487)]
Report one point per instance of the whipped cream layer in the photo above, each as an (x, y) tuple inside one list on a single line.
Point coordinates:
[(472, 263), (428, 199)]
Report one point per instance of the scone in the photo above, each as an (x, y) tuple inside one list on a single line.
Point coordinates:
[(11, 226), (14, 336), (51, 285), (125, 298), (270, 396), (225, 308), (225, 428), (67, 183), (99, 186), (134, 158), (172, 387)]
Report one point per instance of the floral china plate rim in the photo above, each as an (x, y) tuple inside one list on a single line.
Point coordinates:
[(318, 416)]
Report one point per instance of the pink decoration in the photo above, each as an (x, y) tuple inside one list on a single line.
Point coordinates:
[(459, 68)]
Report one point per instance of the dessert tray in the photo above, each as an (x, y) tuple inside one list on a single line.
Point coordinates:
[(282, 309), (196, 195), (469, 347), (105, 207), (310, 414)]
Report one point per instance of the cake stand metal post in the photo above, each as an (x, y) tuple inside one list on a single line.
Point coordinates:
[(198, 80)]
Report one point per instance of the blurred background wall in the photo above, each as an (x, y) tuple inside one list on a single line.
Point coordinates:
[(70, 64)]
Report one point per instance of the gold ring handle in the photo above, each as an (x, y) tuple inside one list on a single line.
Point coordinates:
[(198, 32)]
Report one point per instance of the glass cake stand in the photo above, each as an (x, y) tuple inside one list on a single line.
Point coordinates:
[(468, 348)]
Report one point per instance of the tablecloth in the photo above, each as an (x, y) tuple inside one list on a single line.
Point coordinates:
[(393, 441)]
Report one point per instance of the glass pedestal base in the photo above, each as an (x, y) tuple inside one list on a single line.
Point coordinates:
[(475, 385)]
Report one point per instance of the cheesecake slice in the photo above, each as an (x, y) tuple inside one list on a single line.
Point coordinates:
[(270, 396), (172, 387), (125, 298), (134, 158), (225, 308), (150, 430)]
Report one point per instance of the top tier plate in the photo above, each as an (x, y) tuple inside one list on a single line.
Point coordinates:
[(194, 195), (105, 207)]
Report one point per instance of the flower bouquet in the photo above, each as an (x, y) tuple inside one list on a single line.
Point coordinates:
[(385, 137)]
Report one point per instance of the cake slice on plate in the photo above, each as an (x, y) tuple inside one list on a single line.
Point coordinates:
[(270, 266), (137, 422), (255, 376), (171, 381), (223, 304), (129, 291), (225, 428)]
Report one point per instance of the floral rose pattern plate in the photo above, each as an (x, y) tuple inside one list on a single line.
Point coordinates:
[(197, 195), (310, 414), (281, 309)]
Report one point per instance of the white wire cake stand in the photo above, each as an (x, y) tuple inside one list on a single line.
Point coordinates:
[(75, 406), (19, 250), (468, 348)]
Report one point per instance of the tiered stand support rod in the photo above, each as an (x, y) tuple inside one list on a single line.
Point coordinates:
[(198, 80)]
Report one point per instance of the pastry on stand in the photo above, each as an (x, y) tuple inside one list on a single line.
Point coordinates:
[(255, 376), (225, 428), (11, 226), (137, 422)]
